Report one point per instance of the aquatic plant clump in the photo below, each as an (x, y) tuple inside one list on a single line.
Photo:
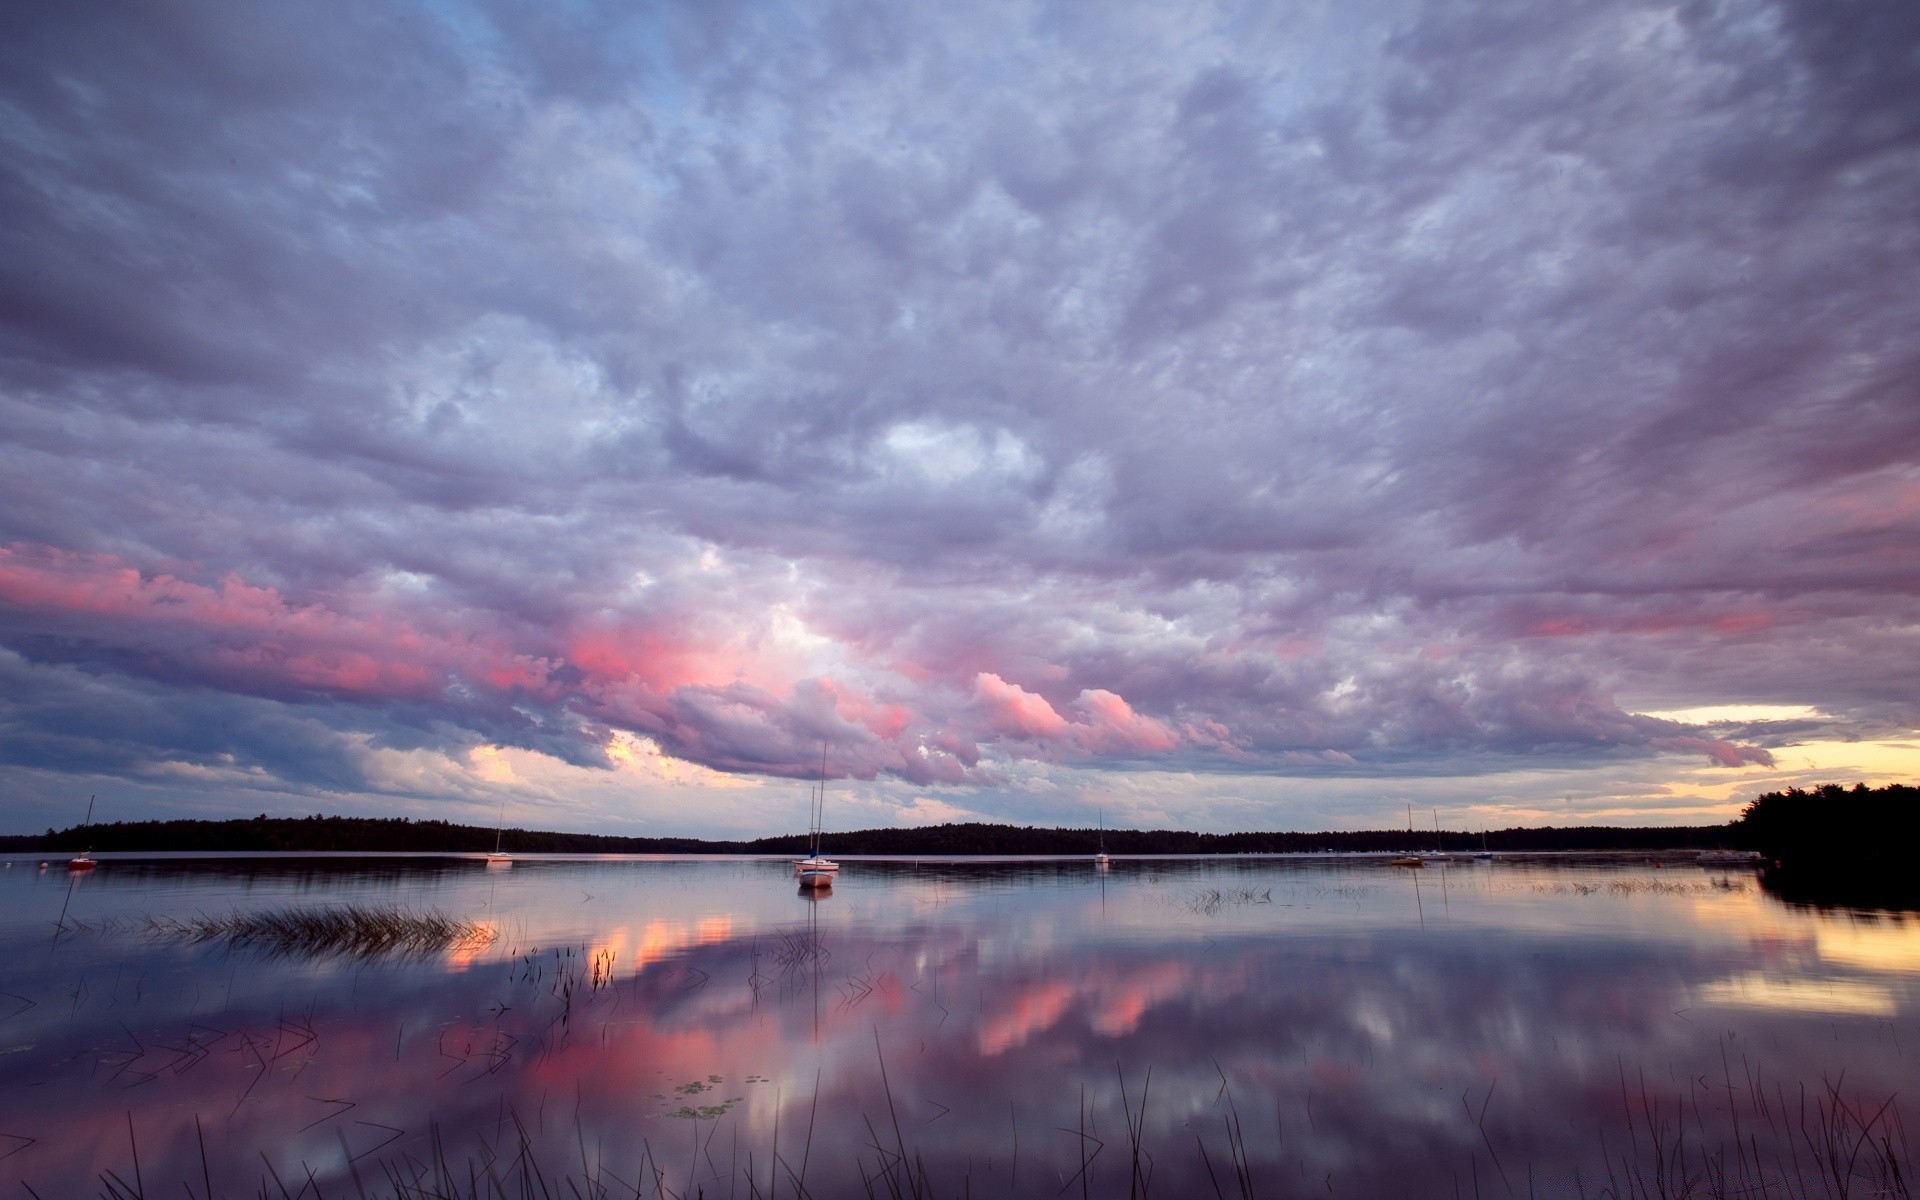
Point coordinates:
[(349, 931)]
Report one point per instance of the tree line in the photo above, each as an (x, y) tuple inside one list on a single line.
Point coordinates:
[(402, 835), (1829, 823), (1833, 845)]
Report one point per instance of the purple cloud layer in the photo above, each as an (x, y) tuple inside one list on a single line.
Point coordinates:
[(1310, 390)]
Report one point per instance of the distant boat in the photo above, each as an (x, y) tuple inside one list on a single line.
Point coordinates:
[(1483, 854), (1439, 852), (84, 860), (816, 871), (1414, 858), (1100, 860), (499, 857)]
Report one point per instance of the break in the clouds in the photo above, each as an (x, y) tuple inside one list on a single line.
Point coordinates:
[(1234, 414)]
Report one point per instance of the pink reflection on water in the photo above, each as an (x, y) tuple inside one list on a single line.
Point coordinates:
[(1326, 1037)]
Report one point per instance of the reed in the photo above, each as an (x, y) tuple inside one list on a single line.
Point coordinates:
[(1208, 901), (1798, 1145), (345, 931)]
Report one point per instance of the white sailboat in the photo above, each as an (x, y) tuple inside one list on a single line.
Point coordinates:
[(499, 857), (1100, 860), (1439, 852), (816, 870), (84, 861), (1410, 859)]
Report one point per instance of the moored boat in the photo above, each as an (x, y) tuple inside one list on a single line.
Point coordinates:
[(816, 870), (499, 857), (84, 860)]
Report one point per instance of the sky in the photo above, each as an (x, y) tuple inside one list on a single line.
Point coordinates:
[(1283, 415)]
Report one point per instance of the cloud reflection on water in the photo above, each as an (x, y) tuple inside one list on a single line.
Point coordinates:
[(1356, 1049)]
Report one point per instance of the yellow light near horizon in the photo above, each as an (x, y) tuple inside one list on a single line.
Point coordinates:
[(1849, 762), (1891, 944), (1839, 996), (1708, 714)]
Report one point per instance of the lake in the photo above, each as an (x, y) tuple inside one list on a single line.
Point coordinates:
[(1171, 1027)]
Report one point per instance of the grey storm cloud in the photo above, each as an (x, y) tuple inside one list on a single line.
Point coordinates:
[(1297, 388)]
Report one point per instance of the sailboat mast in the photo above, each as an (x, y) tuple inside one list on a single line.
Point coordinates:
[(820, 801)]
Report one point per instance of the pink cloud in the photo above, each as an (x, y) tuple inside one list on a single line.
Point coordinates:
[(1013, 710), (251, 635), (1106, 723), (701, 683), (1723, 753), (1113, 726)]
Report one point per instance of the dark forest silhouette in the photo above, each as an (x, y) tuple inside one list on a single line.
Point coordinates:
[(1834, 845), (1828, 823), (1830, 845)]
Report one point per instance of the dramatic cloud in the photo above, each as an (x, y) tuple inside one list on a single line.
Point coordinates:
[(1210, 412)]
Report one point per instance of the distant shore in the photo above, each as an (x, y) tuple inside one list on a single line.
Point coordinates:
[(1826, 825), (399, 835)]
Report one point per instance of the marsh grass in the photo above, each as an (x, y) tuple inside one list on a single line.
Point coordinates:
[(1208, 901), (344, 931), (1641, 887), (1800, 1145), (1805, 1144)]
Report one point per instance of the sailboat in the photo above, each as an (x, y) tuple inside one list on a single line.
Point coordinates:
[(1100, 860), (1484, 855), (84, 861), (1409, 859), (814, 870), (499, 857), (1439, 852)]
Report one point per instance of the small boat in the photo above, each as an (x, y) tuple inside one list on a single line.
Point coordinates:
[(818, 878), (499, 857), (1439, 852), (1100, 860), (1483, 854), (84, 860), (820, 870), (816, 870), (1415, 858)]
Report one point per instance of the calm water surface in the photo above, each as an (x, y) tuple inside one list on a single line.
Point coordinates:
[(1173, 1027)]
